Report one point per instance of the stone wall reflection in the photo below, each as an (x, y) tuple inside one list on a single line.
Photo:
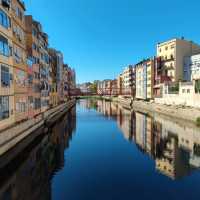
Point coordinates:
[(174, 146), (29, 175)]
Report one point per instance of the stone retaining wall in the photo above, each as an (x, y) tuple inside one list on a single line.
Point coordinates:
[(12, 136)]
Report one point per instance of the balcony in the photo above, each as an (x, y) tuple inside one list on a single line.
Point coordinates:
[(162, 79)]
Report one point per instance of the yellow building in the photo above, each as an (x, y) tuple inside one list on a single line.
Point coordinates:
[(170, 60), (6, 67)]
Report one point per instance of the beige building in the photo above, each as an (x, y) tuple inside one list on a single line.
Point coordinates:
[(150, 78), (6, 67), (128, 80), (144, 79), (170, 60), (119, 84)]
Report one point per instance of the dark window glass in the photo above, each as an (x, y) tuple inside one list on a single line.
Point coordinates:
[(5, 76), (4, 47), (4, 107), (4, 19)]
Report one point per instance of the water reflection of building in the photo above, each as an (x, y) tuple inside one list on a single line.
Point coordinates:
[(124, 117), (174, 146), (126, 122), (29, 175)]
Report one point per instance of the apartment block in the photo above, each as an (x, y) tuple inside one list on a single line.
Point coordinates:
[(44, 70), (6, 67), (33, 57), (128, 80), (19, 61), (144, 79), (170, 61), (57, 58), (54, 90), (31, 75), (192, 70), (68, 81), (104, 87)]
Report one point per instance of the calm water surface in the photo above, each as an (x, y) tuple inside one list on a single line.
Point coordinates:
[(103, 151)]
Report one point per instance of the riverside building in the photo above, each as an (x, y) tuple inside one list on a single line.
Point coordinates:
[(6, 66), (33, 55), (170, 61), (144, 79), (19, 60)]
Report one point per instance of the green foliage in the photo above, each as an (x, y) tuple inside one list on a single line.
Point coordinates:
[(198, 121), (93, 88)]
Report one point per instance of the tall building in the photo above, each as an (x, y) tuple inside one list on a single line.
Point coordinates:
[(30, 79), (53, 73), (114, 87), (33, 55), (144, 79), (128, 80), (44, 70), (57, 56), (119, 84), (192, 70), (170, 61), (69, 81), (104, 87), (19, 61), (6, 67)]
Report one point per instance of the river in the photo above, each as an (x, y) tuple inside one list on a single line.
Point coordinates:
[(101, 150)]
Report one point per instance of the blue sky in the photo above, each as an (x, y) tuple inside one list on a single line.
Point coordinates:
[(100, 37)]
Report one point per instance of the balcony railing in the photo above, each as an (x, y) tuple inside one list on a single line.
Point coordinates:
[(162, 79)]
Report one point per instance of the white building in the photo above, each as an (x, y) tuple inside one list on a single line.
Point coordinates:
[(192, 68)]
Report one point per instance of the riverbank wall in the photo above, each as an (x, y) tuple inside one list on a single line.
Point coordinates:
[(10, 137), (188, 114)]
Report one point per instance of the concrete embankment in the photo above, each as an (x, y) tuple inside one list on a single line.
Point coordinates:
[(12, 136), (176, 112)]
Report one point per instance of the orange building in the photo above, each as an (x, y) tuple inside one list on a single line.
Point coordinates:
[(32, 47)]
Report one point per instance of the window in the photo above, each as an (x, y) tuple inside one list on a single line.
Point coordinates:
[(4, 19), (30, 79), (21, 107), (4, 48), (5, 76), (172, 46), (34, 32), (34, 46), (188, 90), (4, 107), (19, 13), (37, 103), (18, 54)]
